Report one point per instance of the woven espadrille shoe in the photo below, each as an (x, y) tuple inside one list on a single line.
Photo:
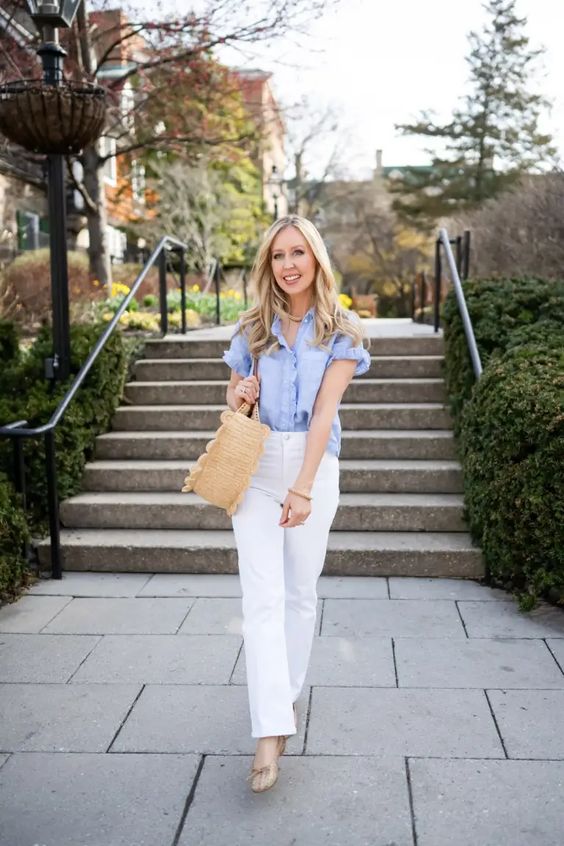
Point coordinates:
[(263, 778)]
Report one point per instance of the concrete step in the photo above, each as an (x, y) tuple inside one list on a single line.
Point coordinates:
[(213, 392), (175, 346), (384, 443), (357, 512), (428, 554), (375, 476), (187, 369), (353, 416)]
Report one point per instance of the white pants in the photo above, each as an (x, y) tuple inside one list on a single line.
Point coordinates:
[(278, 571)]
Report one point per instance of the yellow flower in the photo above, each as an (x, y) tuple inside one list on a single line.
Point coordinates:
[(118, 288), (345, 300), (195, 288), (192, 317)]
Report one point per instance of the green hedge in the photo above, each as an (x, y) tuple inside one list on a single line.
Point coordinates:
[(499, 308), (25, 394), (9, 343), (511, 430), (14, 532)]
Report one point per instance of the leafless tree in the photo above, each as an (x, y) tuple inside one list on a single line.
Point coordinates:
[(521, 233), (310, 131)]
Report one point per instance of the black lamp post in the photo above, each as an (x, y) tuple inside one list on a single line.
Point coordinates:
[(48, 17), (275, 182)]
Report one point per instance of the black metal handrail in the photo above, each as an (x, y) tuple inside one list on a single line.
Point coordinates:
[(444, 241), (19, 429)]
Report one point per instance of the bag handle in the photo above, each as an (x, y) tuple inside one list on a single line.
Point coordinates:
[(254, 407)]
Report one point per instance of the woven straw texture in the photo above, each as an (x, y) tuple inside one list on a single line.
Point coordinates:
[(223, 472)]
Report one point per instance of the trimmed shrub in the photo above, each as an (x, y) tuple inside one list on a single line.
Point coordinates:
[(25, 394), (14, 532), (511, 430), (497, 308), (9, 343), (512, 441)]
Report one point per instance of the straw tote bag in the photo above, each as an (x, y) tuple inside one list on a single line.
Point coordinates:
[(223, 472)]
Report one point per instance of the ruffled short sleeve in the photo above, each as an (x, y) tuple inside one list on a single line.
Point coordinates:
[(343, 348), (238, 356)]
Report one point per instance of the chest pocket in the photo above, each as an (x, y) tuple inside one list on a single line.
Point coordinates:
[(311, 368), (313, 359)]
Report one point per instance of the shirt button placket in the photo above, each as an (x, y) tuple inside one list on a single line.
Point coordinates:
[(294, 389)]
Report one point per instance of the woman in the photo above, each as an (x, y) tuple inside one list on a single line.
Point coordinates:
[(308, 349)]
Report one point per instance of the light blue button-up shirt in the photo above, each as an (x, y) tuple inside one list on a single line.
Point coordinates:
[(290, 377)]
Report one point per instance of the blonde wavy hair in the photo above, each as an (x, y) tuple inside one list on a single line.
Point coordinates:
[(271, 300)]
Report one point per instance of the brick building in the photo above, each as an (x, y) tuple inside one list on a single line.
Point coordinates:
[(269, 155)]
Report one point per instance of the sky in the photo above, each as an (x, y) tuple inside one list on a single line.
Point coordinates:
[(380, 62)]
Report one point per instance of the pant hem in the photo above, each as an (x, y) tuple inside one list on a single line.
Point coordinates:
[(274, 733)]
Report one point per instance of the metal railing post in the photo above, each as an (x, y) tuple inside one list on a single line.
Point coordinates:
[(459, 254), (182, 254), (162, 291), (466, 254), (423, 296), (437, 296), (216, 276), (53, 504)]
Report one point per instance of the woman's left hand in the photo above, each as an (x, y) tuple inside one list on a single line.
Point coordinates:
[(295, 511)]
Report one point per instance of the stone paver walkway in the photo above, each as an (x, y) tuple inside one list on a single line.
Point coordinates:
[(433, 715)]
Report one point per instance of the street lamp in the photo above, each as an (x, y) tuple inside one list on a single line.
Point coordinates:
[(53, 13), (48, 17), (275, 183)]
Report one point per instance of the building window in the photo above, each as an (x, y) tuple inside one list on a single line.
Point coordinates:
[(138, 181), (29, 234), (117, 243), (127, 106), (108, 148)]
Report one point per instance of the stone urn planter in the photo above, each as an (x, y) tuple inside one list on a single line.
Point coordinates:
[(44, 118)]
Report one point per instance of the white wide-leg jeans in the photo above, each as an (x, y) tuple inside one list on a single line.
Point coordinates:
[(278, 571)]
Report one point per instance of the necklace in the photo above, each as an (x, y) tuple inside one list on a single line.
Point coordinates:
[(295, 319)]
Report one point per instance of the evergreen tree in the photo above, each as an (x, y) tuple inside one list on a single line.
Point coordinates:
[(493, 137)]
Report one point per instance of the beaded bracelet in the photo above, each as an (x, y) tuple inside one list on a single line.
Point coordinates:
[(300, 493)]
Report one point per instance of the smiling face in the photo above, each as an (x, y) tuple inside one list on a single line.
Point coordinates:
[(293, 264)]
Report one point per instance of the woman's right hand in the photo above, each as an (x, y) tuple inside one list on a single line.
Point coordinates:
[(247, 389)]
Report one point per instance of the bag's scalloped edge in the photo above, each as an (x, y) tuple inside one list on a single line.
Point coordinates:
[(192, 477)]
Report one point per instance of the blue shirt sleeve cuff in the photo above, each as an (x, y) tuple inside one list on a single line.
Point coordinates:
[(358, 354), (239, 365)]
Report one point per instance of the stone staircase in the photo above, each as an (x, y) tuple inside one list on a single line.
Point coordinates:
[(401, 507)]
